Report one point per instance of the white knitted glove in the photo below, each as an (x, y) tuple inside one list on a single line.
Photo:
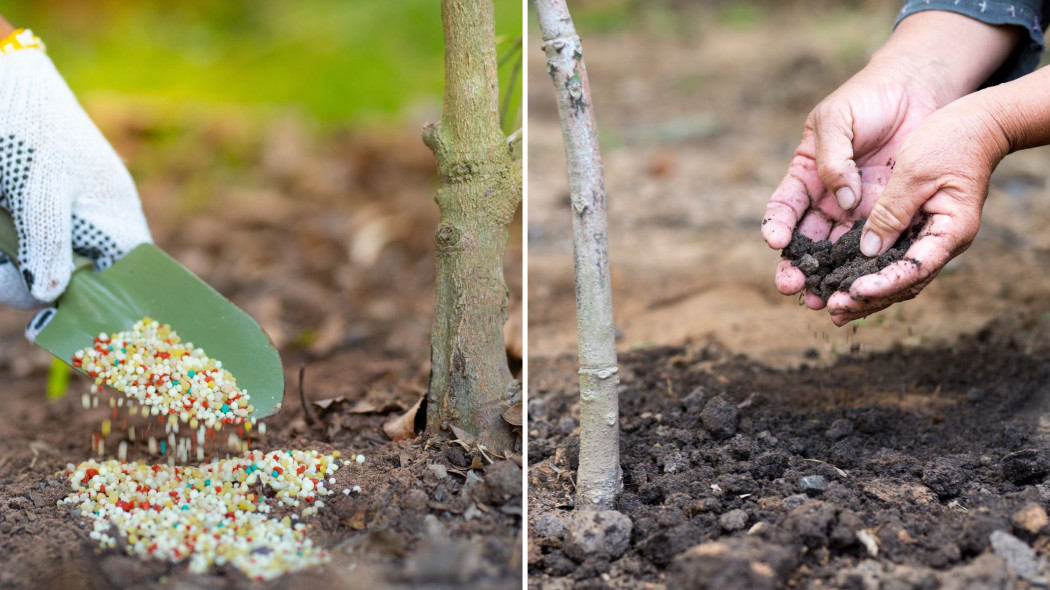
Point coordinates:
[(63, 184)]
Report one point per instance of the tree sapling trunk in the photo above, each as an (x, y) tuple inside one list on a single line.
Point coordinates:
[(599, 479), (470, 382)]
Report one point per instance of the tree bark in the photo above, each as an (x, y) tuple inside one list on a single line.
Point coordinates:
[(599, 479), (470, 382)]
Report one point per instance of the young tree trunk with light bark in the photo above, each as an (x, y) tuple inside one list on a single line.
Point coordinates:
[(470, 382), (599, 479)]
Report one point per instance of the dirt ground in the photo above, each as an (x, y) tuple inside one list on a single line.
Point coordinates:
[(921, 422), (326, 239)]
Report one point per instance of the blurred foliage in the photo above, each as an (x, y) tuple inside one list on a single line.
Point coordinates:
[(58, 379), (358, 61)]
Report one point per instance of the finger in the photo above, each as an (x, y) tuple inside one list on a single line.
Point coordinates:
[(813, 301), (39, 322), (789, 279), (839, 230), (844, 318), (815, 225), (13, 290), (894, 211), (834, 156), (894, 279), (924, 258), (783, 212), (844, 309), (847, 309)]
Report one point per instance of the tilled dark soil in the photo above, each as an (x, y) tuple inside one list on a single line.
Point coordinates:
[(831, 267), (916, 468)]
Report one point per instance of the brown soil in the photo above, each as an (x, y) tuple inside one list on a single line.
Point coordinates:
[(327, 241), (833, 267), (920, 426)]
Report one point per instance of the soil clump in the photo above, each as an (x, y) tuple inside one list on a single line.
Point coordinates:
[(831, 267)]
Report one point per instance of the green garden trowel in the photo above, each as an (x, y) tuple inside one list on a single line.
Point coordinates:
[(149, 283)]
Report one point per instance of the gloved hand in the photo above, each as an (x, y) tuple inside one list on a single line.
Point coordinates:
[(65, 187), (844, 161)]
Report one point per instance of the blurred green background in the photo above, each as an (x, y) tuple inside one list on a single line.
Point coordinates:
[(358, 62)]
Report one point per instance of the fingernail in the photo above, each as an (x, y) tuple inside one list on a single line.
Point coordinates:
[(847, 200), (870, 244)]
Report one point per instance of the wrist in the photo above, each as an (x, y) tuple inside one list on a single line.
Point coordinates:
[(1018, 111), (948, 55), (18, 40), (920, 74)]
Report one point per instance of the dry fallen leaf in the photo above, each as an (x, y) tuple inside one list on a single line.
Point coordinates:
[(364, 407), (360, 406), (325, 403), (513, 415), (403, 426)]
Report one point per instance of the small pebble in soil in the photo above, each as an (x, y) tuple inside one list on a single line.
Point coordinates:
[(813, 484), (1019, 556), (831, 267), (794, 501), (549, 525), (734, 520), (603, 534)]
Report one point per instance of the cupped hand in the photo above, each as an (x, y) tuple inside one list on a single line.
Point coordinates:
[(942, 171), (849, 144)]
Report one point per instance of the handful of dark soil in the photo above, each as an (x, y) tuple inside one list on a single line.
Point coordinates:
[(833, 267)]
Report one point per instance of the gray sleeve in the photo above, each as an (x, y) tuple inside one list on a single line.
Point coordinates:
[(1030, 15)]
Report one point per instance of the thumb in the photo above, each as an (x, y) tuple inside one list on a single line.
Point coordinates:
[(39, 322), (834, 155), (893, 212)]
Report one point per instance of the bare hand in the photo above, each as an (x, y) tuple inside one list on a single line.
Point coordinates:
[(941, 170), (844, 161)]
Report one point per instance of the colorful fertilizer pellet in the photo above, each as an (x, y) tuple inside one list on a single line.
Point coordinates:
[(212, 513), (208, 514), (154, 369)]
